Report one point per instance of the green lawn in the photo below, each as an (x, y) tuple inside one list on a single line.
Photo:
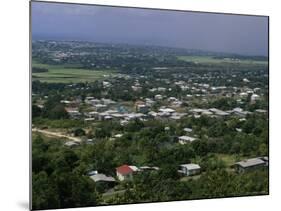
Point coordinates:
[(67, 74), (210, 59), (187, 178), (229, 160)]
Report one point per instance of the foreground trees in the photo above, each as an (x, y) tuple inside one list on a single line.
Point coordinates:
[(56, 179), (60, 178)]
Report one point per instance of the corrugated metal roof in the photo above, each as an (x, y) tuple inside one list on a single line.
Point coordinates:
[(102, 178), (250, 162), (191, 166)]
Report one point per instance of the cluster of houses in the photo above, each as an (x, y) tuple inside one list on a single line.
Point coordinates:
[(127, 172), (106, 109), (214, 112), (123, 173)]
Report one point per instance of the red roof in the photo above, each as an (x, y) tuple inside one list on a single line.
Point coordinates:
[(125, 169)]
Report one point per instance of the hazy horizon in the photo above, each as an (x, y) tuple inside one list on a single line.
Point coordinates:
[(237, 34)]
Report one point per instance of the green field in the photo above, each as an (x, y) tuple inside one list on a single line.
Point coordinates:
[(68, 74), (210, 59)]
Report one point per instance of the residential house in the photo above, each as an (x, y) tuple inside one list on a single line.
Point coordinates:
[(102, 178), (188, 130), (73, 112), (125, 172), (142, 108), (148, 168), (93, 172), (186, 139), (71, 144), (158, 97), (250, 164), (189, 169)]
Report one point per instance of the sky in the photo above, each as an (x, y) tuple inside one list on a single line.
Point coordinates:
[(247, 35)]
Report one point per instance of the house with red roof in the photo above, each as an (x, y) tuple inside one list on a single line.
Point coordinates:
[(125, 172)]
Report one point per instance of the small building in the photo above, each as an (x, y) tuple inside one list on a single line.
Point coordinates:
[(186, 139), (107, 101), (240, 112), (167, 110), (167, 128), (246, 80), (119, 135), (158, 97), (93, 172), (102, 178), (148, 168), (188, 130), (250, 164), (172, 99), (218, 112), (124, 122), (189, 169), (106, 84), (73, 112), (255, 97), (89, 119), (108, 117), (261, 111), (142, 108), (94, 102), (100, 107), (161, 89), (71, 144), (265, 159), (136, 88), (89, 141), (177, 116), (238, 130), (149, 102), (125, 172)]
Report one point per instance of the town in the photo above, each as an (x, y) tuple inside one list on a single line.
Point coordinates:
[(125, 123)]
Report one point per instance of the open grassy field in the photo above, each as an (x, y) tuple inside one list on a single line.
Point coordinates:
[(210, 59), (228, 159), (67, 74)]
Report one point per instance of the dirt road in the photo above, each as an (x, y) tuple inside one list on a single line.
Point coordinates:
[(56, 134)]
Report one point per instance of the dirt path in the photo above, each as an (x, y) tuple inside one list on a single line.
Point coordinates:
[(56, 134)]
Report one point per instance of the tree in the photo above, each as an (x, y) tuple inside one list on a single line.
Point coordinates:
[(58, 112), (44, 195), (36, 111), (168, 172), (79, 132)]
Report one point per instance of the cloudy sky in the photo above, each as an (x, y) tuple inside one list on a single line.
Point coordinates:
[(213, 32)]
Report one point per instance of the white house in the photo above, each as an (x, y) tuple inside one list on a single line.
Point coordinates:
[(190, 169), (188, 130), (71, 144), (158, 97), (186, 139)]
